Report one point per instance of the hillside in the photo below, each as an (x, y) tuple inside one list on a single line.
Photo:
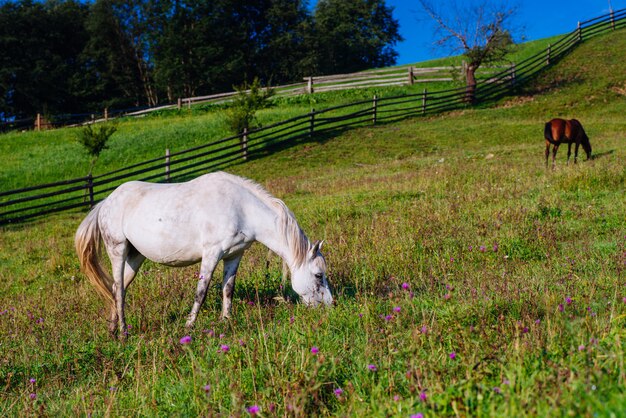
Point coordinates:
[(469, 280), (58, 156)]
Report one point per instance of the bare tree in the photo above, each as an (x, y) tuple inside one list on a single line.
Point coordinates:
[(480, 30)]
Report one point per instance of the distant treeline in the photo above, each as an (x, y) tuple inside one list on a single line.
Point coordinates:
[(69, 56)]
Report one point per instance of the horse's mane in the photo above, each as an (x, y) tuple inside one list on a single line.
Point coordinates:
[(296, 239)]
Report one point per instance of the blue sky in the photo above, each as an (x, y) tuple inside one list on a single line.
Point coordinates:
[(536, 19)]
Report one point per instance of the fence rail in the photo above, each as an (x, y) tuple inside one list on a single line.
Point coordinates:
[(35, 201)]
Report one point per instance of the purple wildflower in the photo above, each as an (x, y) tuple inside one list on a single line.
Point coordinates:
[(405, 286), (388, 317), (33, 396), (452, 355), (224, 348), (397, 309), (561, 308), (338, 392), (32, 380), (495, 247), (497, 390), (372, 367), (418, 415), (482, 248), (423, 396), (424, 329), (254, 409), (568, 300), (396, 398), (581, 347), (185, 340), (314, 350), (207, 388)]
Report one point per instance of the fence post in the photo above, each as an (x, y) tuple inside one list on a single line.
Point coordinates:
[(309, 87), (512, 74), (167, 164), (38, 122), (244, 144), (410, 76), (90, 189), (580, 32), (311, 122), (374, 106), (180, 103), (424, 101), (106, 114), (612, 19), (548, 54)]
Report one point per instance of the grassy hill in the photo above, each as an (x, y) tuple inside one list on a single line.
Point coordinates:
[(48, 156), (514, 303)]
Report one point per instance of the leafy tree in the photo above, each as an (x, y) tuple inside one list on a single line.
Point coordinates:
[(94, 140), (249, 99), (355, 35), (196, 47), (39, 46), (479, 30), (118, 52)]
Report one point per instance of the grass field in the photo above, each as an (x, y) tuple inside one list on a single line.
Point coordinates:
[(470, 280)]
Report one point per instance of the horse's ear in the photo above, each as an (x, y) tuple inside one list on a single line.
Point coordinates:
[(316, 248)]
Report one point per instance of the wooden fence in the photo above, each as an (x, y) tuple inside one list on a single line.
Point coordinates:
[(387, 77), (32, 202)]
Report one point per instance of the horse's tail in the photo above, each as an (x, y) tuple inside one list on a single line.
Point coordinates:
[(87, 242), (547, 132)]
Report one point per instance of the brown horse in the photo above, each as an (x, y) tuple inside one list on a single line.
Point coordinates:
[(561, 131)]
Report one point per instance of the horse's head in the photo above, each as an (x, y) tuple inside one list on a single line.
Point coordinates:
[(309, 278), (586, 145)]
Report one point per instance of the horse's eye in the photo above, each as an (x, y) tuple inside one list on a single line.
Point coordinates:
[(319, 276)]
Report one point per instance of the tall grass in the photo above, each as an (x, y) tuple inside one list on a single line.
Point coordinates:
[(470, 281)]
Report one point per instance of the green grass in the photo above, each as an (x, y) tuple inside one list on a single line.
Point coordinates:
[(460, 207), (49, 156)]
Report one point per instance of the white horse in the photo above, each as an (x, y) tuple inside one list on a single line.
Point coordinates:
[(211, 218)]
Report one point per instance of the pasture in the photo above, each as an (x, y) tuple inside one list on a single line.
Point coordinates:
[(469, 280)]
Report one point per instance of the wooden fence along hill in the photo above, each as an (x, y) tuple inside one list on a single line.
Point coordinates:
[(35, 201)]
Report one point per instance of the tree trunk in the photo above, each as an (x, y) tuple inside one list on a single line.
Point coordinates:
[(470, 83)]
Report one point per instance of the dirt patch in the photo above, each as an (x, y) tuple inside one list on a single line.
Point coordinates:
[(516, 101), (621, 90)]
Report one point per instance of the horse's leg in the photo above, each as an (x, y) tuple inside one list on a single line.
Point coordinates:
[(228, 286), (569, 151), (209, 262), (554, 150), (576, 152), (547, 152), (131, 267), (134, 260), (118, 254)]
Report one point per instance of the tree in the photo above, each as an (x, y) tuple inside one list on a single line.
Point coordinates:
[(94, 140), (119, 52), (355, 35), (249, 99), (479, 30), (39, 46)]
